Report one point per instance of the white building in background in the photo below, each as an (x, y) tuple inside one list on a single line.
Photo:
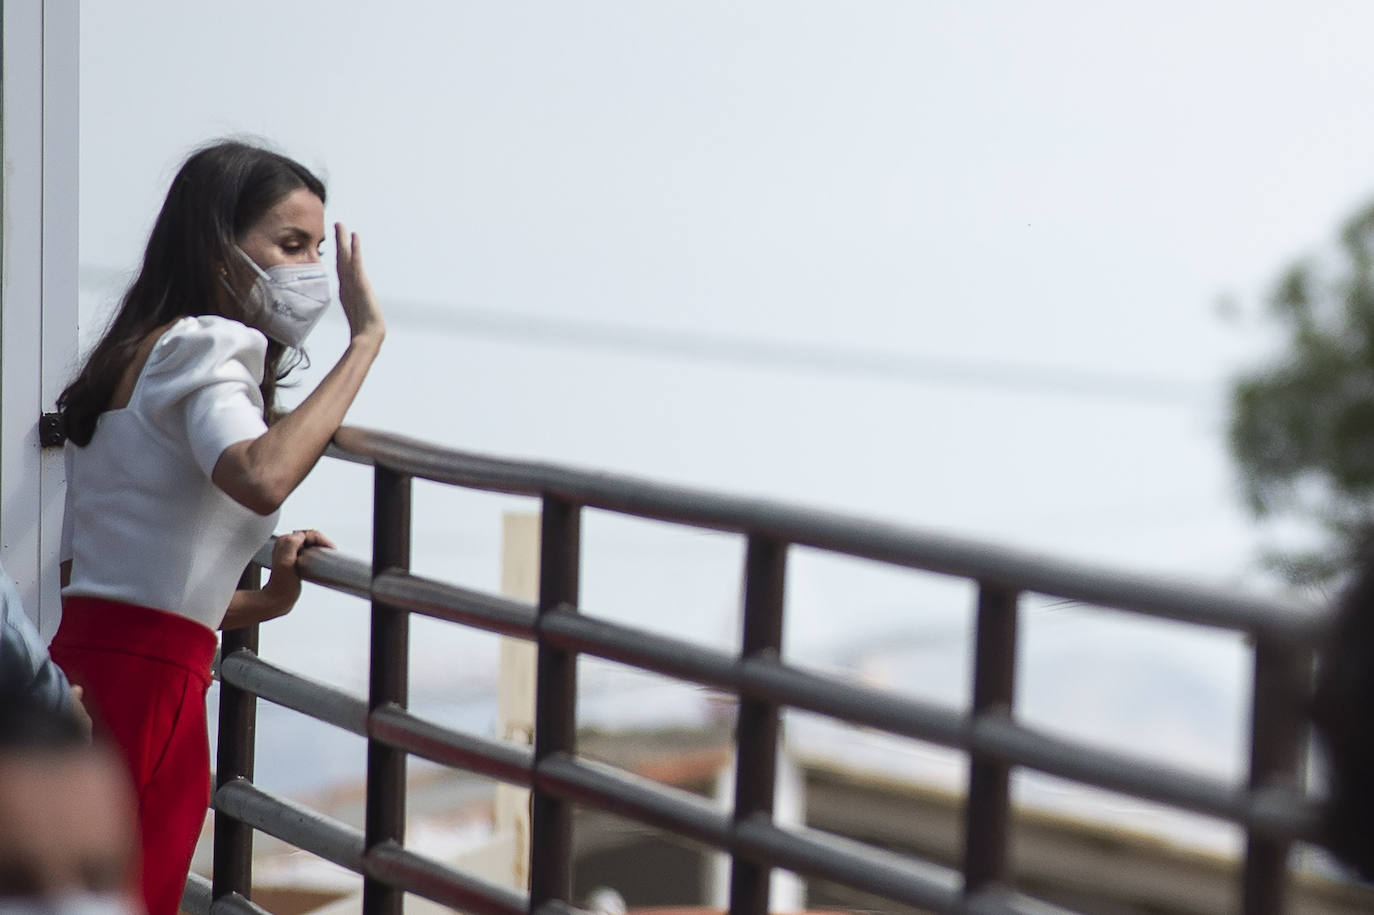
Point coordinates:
[(40, 80)]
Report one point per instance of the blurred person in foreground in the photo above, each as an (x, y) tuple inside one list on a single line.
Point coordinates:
[(67, 831), (27, 673), (1343, 704)]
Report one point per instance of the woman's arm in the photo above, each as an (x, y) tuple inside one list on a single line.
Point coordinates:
[(262, 472), (248, 608)]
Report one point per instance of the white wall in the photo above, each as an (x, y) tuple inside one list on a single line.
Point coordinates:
[(38, 298)]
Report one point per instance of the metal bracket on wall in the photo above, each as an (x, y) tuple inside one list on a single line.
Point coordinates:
[(51, 432)]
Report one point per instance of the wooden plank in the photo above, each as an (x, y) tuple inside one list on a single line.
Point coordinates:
[(515, 691)]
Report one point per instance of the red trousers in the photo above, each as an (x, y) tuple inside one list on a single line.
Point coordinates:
[(145, 673)]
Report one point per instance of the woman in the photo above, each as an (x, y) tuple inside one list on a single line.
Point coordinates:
[(177, 463)]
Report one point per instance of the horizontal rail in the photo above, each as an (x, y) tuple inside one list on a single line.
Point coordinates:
[(454, 604), (426, 596), (234, 904), (558, 907), (807, 852), (757, 679), (1273, 812), (331, 568), (438, 883), (388, 724), (618, 792), (849, 863), (1270, 810), (326, 703), (341, 844), (398, 728), (890, 543), (1003, 900), (693, 817), (197, 899), (197, 896), (291, 822)]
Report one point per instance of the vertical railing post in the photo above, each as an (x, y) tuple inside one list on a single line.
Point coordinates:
[(757, 729), (233, 851), (1277, 735), (555, 704), (387, 683), (988, 816)]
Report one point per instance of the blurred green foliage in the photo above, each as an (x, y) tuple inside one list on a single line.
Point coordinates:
[(1302, 426)]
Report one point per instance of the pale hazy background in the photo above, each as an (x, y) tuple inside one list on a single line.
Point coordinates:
[(980, 270)]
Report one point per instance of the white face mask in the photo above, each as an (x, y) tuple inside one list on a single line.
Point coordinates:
[(68, 904), (287, 301)]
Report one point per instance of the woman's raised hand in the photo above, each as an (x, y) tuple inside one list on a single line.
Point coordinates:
[(260, 473), (355, 292)]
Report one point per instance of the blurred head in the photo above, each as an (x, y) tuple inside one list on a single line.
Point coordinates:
[(227, 196), (67, 827)]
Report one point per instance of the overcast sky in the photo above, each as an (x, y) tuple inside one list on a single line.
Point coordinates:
[(952, 264), (1004, 196)]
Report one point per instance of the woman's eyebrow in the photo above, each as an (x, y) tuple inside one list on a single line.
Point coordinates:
[(299, 233)]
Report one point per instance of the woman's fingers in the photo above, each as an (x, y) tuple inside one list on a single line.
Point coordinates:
[(315, 538), (343, 251), (285, 549), (285, 581), (355, 292), (289, 546), (349, 251)]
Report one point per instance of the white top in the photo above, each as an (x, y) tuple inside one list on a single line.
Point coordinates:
[(144, 523)]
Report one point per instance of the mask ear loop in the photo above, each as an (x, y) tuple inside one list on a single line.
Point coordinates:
[(233, 295), (224, 281), (252, 263)]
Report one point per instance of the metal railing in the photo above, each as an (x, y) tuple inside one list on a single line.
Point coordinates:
[(1271, 807)]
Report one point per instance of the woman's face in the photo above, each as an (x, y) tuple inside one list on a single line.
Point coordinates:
[(291, 232)]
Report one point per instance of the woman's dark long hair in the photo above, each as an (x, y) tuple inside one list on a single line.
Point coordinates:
[(191, 268)]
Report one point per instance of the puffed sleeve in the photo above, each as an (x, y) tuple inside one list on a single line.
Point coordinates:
[(201, 381)]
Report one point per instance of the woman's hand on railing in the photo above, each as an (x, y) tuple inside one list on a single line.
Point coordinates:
[(284, 585), (283, 588)]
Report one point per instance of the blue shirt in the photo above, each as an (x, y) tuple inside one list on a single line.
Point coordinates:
[(25, 668)]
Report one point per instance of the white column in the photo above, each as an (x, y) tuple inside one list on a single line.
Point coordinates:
[(515, 691), (38, 293)]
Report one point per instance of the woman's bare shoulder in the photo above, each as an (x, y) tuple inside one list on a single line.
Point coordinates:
[(129, 379)]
